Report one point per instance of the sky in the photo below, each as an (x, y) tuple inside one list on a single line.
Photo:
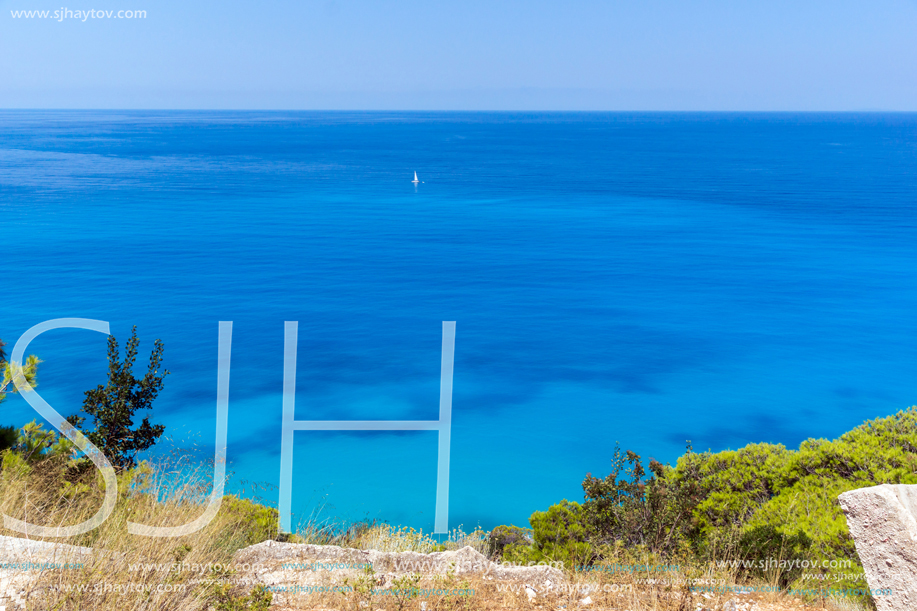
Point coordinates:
[(770, 55)]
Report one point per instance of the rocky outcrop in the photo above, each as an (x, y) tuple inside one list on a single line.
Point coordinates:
[(292, 569), (289, 570), (883, 523), (23, 561)]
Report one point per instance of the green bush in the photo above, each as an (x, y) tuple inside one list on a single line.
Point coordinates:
[(256, 523), (759, 504), (503, 536), (726, 488), (33, 444), (627, 508), (804, 521), (13, 467), (561, 534)]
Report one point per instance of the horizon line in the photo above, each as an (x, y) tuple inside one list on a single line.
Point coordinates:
[(457, 110)]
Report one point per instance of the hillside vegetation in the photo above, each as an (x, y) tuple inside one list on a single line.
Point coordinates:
[(740, 517), (770, 512)]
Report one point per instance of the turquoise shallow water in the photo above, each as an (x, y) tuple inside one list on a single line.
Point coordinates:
[(646, 279)]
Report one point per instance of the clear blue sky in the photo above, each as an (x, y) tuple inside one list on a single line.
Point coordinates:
[(473, 54)]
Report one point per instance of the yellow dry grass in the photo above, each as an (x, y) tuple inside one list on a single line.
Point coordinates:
[(169, 497)]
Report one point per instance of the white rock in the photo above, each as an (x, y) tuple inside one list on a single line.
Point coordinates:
[(883, 522), (271, 556), (29, 555), (465, 561), (586, 601)]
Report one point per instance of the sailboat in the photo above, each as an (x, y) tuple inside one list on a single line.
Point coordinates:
[(415, 181)]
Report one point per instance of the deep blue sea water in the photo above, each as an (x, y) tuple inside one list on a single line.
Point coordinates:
[(635, 278)]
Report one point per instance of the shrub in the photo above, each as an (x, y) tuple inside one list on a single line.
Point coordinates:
[(804, 522), (14, 467), (254, 523), (561, 534), (721, 491), (33, 444), (625, 507), (502, 536), (759, 503)]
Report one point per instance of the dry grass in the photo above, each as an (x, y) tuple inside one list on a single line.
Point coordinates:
[(147, 496), (164, 496), (490, 596)]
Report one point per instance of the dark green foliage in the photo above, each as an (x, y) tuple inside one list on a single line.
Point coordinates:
[(625, 507), (617, 506), (881, 450), (784, 502), (562, 534), (503, 536), (724, 489), (8, 436), (112, 406), (759, 502)]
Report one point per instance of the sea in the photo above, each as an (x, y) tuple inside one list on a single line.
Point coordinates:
[(632, 280)]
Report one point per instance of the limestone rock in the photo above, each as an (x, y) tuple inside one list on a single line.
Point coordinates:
[(23, 561), (295, 568), (883, 522)]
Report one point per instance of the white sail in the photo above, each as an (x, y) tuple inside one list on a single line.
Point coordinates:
[(415, 178)]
